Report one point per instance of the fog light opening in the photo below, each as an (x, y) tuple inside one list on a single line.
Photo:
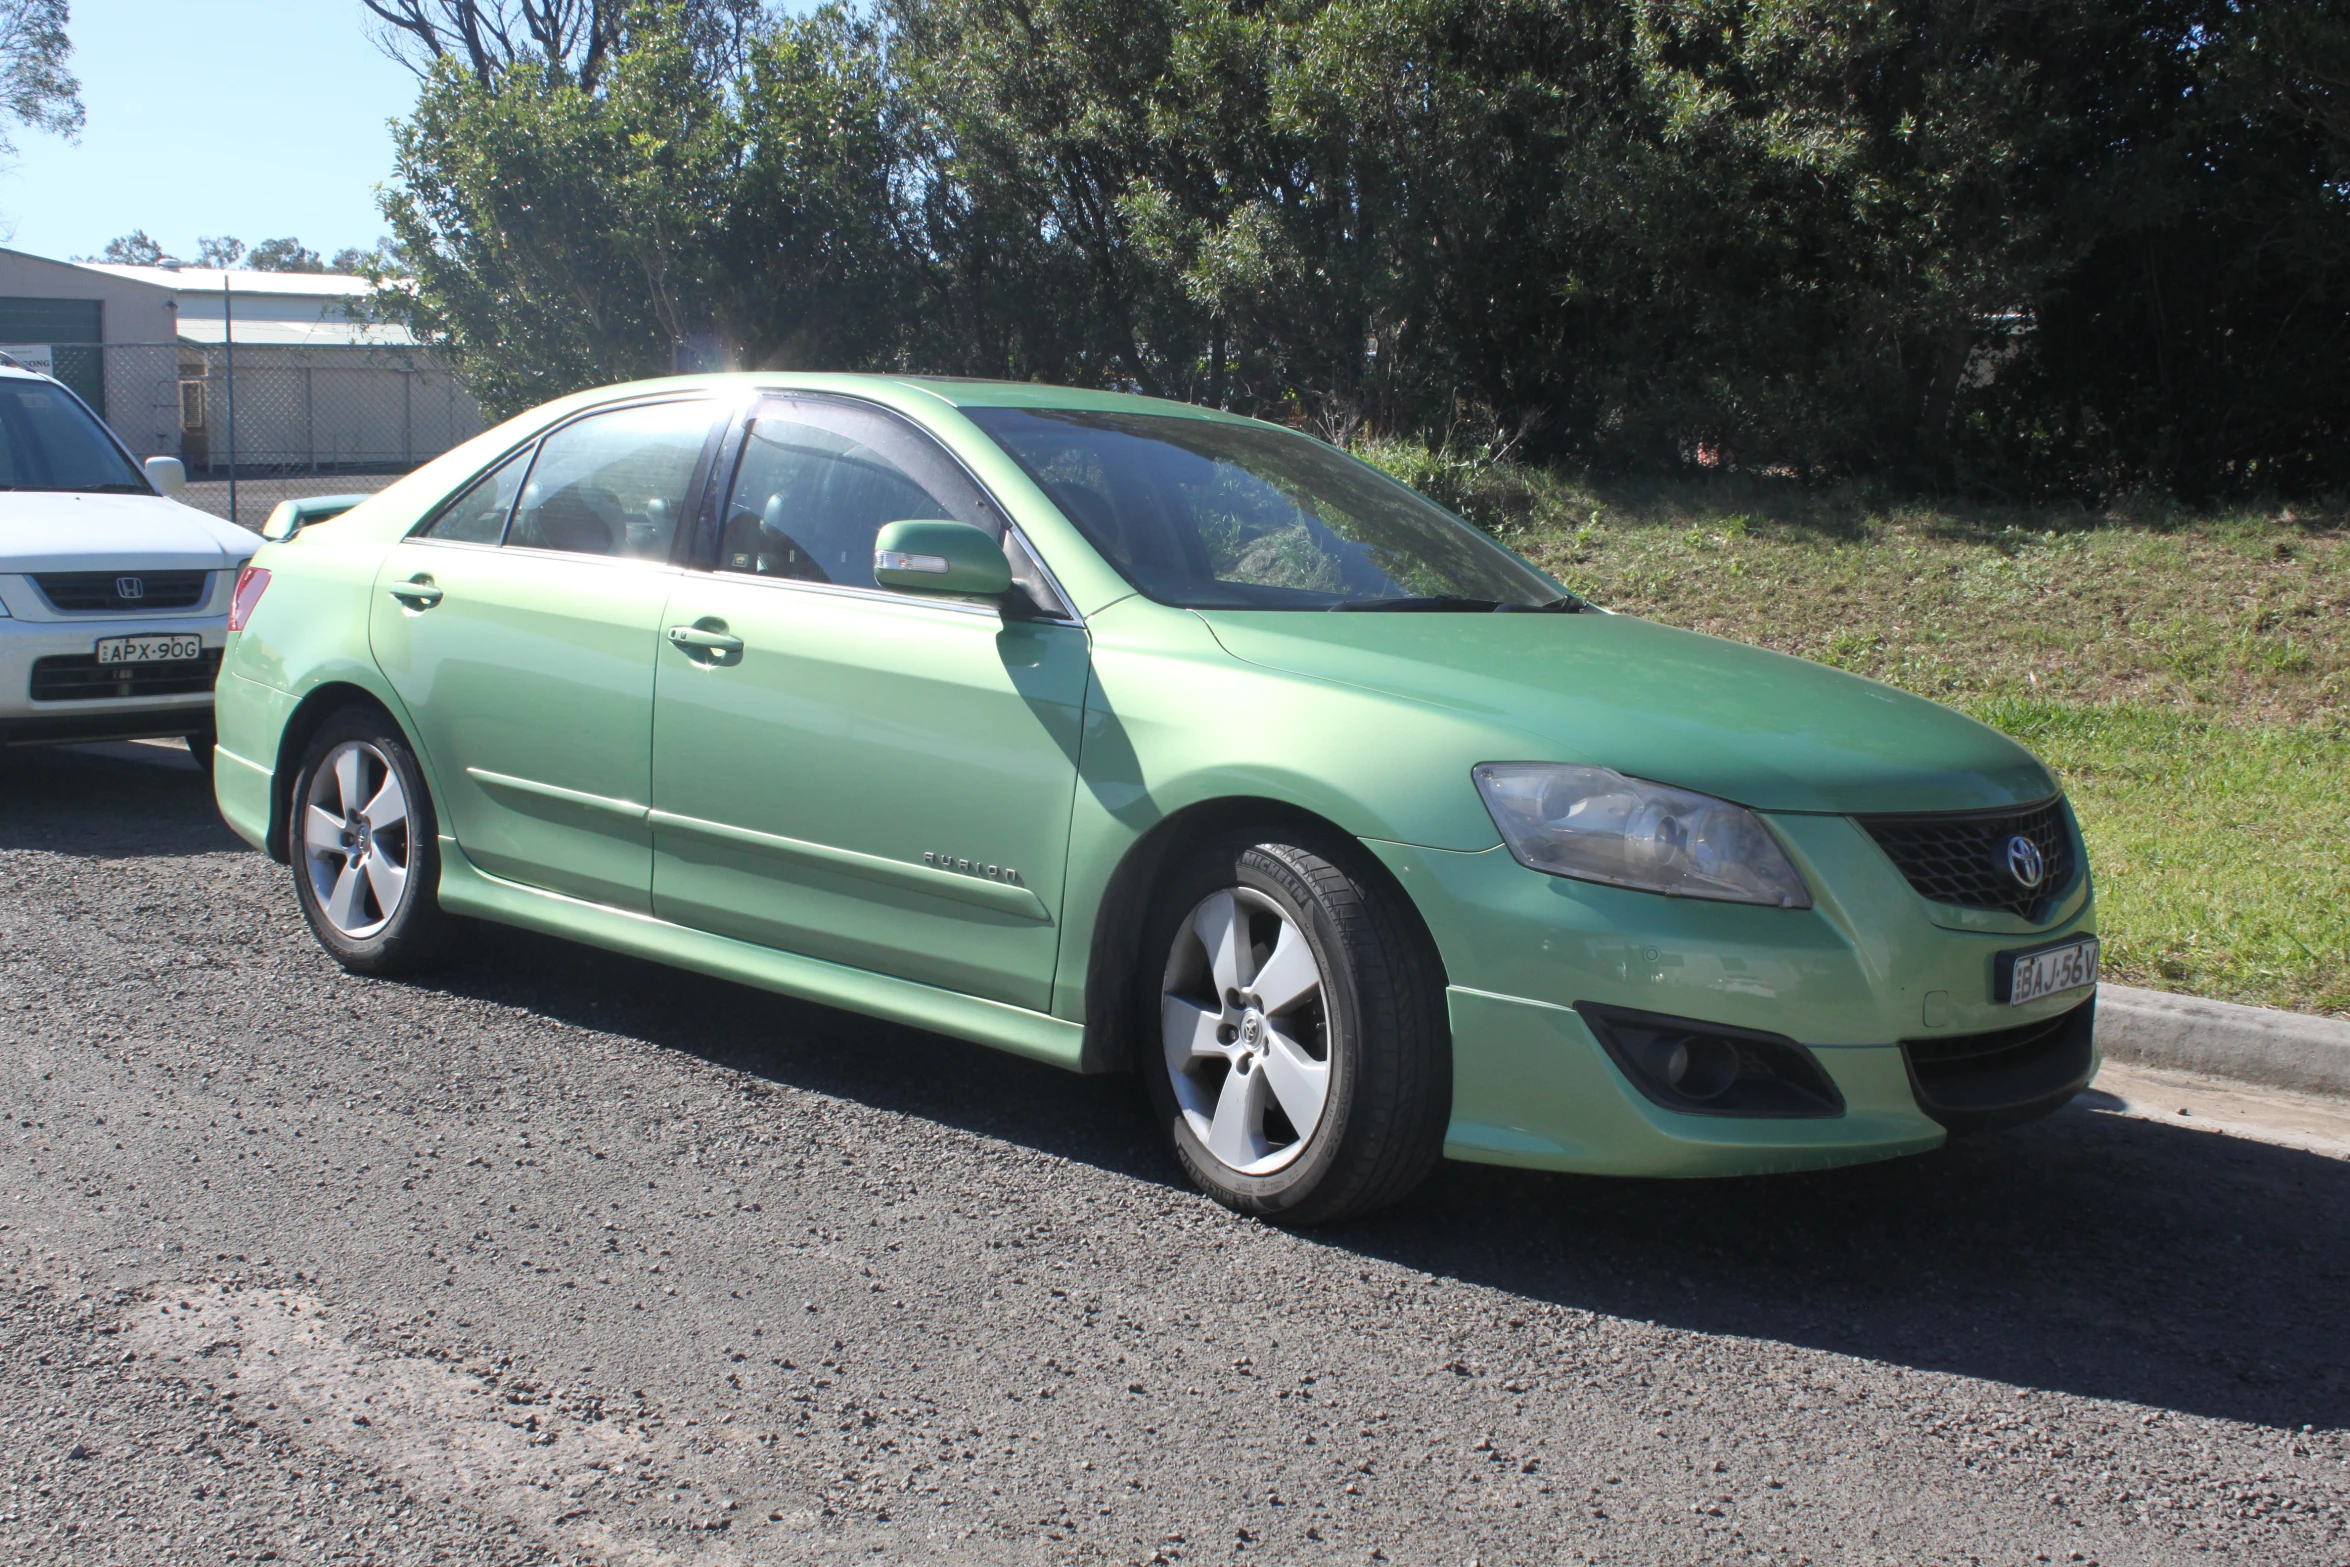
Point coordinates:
[(1712, 1068), (1700, 1066)]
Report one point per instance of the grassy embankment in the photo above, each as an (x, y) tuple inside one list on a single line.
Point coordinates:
[(2188, 674)]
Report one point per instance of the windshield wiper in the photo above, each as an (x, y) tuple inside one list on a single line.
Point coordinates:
[(1453, 603), (1438, 603)]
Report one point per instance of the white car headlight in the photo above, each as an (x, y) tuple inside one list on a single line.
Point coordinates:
[(1597, 825)]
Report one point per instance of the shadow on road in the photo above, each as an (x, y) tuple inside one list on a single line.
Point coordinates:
[(2090, 1253), (117, 801)]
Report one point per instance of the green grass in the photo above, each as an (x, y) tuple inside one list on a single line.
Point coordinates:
[(2222, 851), (2188, 673)]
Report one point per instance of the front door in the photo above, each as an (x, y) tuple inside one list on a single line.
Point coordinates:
[(861, 776), (519, 626)]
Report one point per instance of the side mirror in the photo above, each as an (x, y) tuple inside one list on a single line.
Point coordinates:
[(936, 556), (168, 474), (288, 518)]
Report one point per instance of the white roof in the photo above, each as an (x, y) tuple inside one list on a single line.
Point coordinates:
[(263, 332), (208, 280)]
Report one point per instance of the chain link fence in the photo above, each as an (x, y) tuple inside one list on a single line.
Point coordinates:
[(259, 423)]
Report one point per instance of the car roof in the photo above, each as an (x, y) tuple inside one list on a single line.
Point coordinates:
[(955, 391)]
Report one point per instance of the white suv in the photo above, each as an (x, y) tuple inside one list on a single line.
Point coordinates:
[(114, 601)]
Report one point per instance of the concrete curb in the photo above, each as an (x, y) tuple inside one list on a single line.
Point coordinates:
[(2221, 1039)]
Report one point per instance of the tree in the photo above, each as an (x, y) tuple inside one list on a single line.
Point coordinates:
[(2014, 245), (558, 234), (382, 258), (571, 40), (219, 250), (134, 249), (284, 255), (490, 37), (36, 90)]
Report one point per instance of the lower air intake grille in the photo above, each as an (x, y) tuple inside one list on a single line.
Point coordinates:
[(101, 592), (79, 677), (1970, 860), (1974, 1082)]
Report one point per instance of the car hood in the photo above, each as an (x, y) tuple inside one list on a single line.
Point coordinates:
[(66, 531), (1769, 731)]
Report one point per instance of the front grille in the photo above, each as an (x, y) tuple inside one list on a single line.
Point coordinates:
[(79, 677), (100, 592), (1973, 1082), (1964, 859)]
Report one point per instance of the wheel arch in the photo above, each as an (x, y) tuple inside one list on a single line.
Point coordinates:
[(1116, 963), (316, 707)]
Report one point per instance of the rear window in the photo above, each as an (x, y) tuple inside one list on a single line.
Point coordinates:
[(49, 441)]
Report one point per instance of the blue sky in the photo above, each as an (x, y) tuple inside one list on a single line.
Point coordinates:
[(256, 118)]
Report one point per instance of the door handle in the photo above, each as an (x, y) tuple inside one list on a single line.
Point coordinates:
[(417, 592), (707, 643)]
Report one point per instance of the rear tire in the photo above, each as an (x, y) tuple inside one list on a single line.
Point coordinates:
[(1294, 1044), (366, 852)]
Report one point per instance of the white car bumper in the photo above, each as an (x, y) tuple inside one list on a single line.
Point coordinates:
[(52, 689)]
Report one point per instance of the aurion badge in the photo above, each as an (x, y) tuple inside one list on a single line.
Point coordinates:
[(2024, 862), (130, 588)]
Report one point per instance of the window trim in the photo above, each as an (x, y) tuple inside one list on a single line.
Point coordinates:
[(418, 534), (873, 595), (529, 447), (709, 524)]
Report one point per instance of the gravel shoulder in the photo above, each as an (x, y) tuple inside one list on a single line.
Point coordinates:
[(560, 1256)]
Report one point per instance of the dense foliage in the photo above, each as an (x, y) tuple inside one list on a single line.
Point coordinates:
[(2014, 245)]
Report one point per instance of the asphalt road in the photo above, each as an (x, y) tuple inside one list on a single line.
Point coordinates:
[(562, 1257)]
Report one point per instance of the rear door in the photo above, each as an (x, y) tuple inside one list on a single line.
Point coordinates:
[(862, 776), (520, 625)]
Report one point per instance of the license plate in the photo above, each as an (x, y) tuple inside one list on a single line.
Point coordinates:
[(2031, 975), (171, 648)]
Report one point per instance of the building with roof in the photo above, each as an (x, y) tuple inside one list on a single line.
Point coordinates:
[(317, 385)]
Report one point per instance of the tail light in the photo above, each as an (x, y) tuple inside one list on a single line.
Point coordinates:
[(250, 583)]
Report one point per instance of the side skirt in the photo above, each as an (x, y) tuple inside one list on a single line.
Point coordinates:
[(466, 889)]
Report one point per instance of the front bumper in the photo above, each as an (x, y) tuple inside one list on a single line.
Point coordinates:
[(24, 642), (1852, 979)]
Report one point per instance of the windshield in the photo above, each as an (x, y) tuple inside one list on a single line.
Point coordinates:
[(1207, 515), (49, 441)]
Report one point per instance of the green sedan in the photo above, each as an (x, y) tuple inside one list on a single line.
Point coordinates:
[(1129, 735)]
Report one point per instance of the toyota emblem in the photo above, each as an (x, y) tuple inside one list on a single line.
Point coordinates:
[(2024, 862), (129, 588)]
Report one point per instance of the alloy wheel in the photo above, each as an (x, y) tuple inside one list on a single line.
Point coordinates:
[(1244, 1019), (356, 842)]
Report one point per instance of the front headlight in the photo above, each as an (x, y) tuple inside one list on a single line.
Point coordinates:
[(1598, 825)]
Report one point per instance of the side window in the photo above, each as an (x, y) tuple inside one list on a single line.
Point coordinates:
[(478, 514), (817, 481), (613, 483)]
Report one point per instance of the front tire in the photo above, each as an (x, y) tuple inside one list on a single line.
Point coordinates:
[(1296, 1048), (366, 854)]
